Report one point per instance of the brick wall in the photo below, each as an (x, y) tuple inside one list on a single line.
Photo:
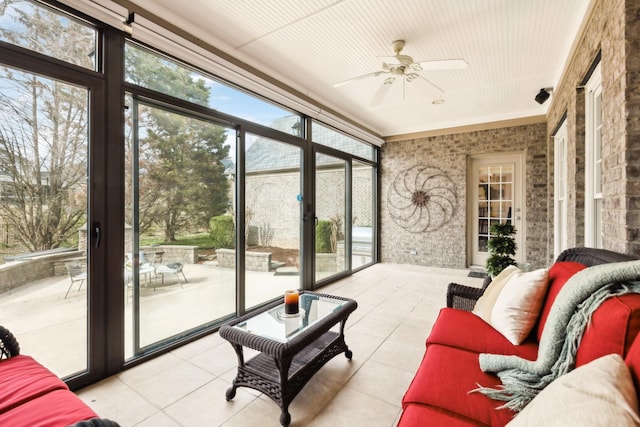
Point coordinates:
[(447, 246), (613, 29)]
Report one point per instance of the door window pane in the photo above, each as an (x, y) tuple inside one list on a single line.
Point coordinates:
[(180, 234), (330, 252), (495, 200), (362, 238), (273, 198), (48, 32), (43, 213)]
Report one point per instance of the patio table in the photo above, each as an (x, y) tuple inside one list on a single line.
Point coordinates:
[(292, 347)]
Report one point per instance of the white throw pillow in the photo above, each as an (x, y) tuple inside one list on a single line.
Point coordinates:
[(484, 305), (518, 306), (600, 393)]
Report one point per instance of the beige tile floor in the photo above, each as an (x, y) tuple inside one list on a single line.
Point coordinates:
[(397, 305)]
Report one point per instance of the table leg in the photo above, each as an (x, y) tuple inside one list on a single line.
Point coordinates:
[(283, 366), (231, 391)]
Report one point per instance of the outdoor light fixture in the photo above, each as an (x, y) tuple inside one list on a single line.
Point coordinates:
[(543, 95)]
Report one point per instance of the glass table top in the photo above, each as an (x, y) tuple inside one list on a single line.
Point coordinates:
[(276, 325)]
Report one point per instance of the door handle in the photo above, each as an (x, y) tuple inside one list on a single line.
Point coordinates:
[(97, 234)]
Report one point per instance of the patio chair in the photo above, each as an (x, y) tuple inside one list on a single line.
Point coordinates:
[(77, 273), (145, 267), (172, 268)]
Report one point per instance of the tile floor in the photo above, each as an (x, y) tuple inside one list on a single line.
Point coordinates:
[(397, 305)]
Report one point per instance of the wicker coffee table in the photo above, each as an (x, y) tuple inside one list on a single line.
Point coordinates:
[(292, 347)]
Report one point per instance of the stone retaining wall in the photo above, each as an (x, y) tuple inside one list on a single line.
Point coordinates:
[(254, 261), (16, 273)]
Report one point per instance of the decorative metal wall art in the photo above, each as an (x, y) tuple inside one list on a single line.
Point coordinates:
[(422, 198)]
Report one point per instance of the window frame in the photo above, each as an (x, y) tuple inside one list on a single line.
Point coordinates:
[(593, 160), (560, 169)]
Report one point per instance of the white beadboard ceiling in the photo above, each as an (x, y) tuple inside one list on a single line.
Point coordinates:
[(513, 48)]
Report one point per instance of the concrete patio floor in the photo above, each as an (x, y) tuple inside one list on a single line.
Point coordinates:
[(53, 328)]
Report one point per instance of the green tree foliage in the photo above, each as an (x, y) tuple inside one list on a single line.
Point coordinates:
[(181, 174), (222, 232), (43, 133), (323, 236), (502, 248)]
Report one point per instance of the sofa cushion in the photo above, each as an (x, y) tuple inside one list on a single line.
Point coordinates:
[(559, 273), (600, 393), (484, 306), (445, 378), (613, 327), (55, 408), (518, 306), (453, 328), (22, 379), (632, 360), (425, 416)]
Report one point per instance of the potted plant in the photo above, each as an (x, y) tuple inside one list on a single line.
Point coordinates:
[(502, 248)]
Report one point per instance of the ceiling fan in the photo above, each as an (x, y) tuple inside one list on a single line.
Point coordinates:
[(402, 67)]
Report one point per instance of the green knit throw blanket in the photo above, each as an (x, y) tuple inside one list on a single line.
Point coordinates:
[(569, 317)]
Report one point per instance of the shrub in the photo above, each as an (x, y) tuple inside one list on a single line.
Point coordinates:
[(222, 232), (323, 237), (502, 247)]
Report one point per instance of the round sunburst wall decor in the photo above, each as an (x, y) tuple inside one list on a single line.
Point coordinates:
[(422, 198)]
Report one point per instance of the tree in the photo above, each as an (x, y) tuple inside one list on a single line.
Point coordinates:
[(43, 135), (181, 174)]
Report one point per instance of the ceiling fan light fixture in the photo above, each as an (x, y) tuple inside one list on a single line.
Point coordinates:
[(411, 77)]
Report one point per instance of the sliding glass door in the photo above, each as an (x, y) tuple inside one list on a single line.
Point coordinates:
[(179, 192), (272, 219), (331, 216)]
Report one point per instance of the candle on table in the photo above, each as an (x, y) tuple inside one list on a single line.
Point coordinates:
[(291, 302)]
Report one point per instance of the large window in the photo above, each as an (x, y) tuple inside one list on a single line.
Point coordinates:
[(41, 29), (593, 170), (145, 68), (329, 137), (134, 219)]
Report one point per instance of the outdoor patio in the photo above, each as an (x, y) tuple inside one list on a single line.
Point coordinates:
[(52, 328)]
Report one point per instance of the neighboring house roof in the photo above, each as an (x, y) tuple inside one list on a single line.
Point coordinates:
[(265, 154)]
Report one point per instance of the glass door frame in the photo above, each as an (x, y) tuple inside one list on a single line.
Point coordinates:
[(97, 220), (311, 217)]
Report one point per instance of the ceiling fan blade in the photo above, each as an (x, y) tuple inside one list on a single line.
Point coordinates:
[(382, 92), (355, 79), (443, 64)]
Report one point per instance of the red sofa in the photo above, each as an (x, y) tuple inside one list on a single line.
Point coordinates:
[(439, 394), (32, 396)]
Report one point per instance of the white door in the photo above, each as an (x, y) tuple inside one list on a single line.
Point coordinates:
[(495, 196)]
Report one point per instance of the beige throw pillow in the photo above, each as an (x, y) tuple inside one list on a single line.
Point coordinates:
[(600, 393), (518, 306), (484, 305)]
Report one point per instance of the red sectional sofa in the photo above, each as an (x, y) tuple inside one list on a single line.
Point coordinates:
[(440, 393), (32, 396)]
